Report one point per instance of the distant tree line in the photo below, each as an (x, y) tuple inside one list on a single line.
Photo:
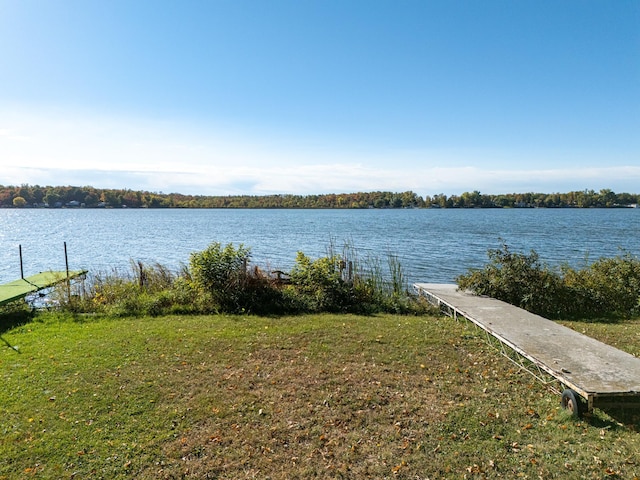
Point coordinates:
[(605, 198), (90, 197), (35, 196)]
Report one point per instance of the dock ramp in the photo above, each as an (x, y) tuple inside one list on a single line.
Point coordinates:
[(603, 376), (17, 289)]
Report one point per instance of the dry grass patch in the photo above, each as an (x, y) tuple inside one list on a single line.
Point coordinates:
[(288, 411), (344, 399)]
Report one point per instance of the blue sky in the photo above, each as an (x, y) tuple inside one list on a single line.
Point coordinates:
[(319, 96)]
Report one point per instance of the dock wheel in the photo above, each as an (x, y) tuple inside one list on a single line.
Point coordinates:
[(571, 401)]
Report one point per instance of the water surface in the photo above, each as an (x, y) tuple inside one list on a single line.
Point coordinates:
[(434, 245)]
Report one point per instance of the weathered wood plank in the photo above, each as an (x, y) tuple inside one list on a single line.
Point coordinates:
[(595, 369)]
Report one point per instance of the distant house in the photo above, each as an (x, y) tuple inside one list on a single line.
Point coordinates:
[(73, 203)]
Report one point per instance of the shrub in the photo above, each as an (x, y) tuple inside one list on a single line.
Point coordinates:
[(320, 282), (343, 283), (518, 279), (608, 288), (223, 274)]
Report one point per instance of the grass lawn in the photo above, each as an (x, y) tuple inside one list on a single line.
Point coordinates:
[(326, 396)]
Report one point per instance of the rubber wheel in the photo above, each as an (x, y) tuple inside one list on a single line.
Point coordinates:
[(571, 401)]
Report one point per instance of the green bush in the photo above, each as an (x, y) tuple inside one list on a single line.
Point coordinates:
[(608, 288), (321, 285), (222, 273), (516, 278), (345, 284)]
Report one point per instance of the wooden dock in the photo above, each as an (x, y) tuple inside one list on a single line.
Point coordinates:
[(18, 289), (602, 375)]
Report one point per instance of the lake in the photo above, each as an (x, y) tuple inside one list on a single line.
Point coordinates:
[(433, 245)]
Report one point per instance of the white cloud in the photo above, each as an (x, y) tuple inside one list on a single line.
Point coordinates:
[(56, 149), (12, 135), (338, 178)]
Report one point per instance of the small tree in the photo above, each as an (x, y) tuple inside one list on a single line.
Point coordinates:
[(19, 202)]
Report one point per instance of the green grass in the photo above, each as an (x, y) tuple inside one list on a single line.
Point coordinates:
[(325, 396)]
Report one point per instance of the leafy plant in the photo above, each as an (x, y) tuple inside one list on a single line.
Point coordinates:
[(224, 276), (321, 283), (516, 278), (222, 273), (608, 288)]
